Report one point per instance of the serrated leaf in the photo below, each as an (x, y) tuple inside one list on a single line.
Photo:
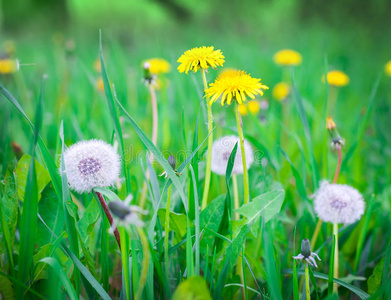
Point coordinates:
[(21, 171), (266, 206), (374, 281)]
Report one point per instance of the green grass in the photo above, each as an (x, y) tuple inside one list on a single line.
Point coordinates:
[(57, 242)]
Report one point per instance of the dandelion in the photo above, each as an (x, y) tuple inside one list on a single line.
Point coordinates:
[(309, 258), (90, 164), (8, 66), (338, 203), (200, 58), (236, 86), (195, 59), (158, 65), (337, 78), (287, 57), (99, 85), (221, 152), (387, 68), (281, 91)]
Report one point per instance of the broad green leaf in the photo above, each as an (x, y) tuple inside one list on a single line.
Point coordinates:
[(266, 206), (210, 218), (21, 171), (88, 220), (178, 223), (194, 288), (231, 257), (374, 281), (61, 276), (6, 288)]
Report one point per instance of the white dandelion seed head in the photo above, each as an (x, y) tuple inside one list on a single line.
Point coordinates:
[(221, 151), (338, 203), (90, 164)]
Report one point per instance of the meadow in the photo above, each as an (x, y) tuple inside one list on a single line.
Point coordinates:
[(156, 213)]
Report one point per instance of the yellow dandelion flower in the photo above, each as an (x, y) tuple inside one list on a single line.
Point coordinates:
[(387, 68), (99, 85), (234, 85), (330, 123), (8, 66), (281, 91), (200, 58), (158, 65), (337, 78), (287, 57), (243, 109), (97, 66)]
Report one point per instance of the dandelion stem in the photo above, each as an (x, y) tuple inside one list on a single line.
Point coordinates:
[(154, 114), (167, 230), (109, 217), (144, 271), (336, 256), (236, 195), (307, 282), (338, 164), (241, 137), (316, 233), (210, 144)]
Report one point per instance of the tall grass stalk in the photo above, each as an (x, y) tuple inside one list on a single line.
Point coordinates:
[(210, 144)]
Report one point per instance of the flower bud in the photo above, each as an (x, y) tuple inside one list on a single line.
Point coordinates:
[(336, 139), (171, 160), (305, 248)]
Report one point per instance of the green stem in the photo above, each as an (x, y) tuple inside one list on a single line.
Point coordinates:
[(241, 137), (210, 144), (316, 233), (167, 230), (336, 256), (236, 195), (307, 282), (125, 260), (144, 270)]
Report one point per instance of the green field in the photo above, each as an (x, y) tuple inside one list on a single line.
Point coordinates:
[(178, 241)]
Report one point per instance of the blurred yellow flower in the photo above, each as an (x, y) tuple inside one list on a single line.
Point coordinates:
[(330, 123), (200, 58), (281, 91), (243, 109), (287, 57), (97, 66), (158, 65), (252, 106), (99, 85), (234, 85), (387, 68), (227, 71), (8, 66), (337, 78)]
